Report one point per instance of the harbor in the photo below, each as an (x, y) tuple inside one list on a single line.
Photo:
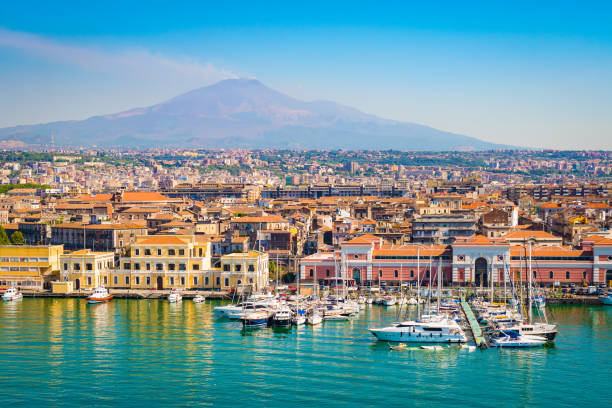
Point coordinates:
[(203, 359)]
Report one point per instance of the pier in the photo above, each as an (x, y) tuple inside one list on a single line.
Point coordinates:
[(479, 338)]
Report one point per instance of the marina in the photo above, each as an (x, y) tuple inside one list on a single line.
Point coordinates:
[(202, 358)]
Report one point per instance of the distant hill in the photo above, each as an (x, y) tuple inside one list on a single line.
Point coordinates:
[(242, 113)]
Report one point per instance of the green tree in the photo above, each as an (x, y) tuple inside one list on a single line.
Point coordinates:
[(4, 239), (17, 238)]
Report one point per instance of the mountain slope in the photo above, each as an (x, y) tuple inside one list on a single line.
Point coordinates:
[(242, 113)]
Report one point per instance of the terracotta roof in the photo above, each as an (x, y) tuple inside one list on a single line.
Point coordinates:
[(526, 234), (363, 239), (162, 240), (140, 210), (263, 218), (143, 196), (412, 250), (560, 251), (96, 197)]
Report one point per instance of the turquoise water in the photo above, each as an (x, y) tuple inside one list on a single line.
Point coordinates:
[(62, 352)]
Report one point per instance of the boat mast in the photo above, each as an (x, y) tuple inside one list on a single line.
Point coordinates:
[(418, 283), (530, 311), (439, 283)]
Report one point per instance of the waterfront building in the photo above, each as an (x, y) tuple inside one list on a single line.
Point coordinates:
[(87, 269), (98, 237), (366, 260), (31, 267), (247, 271), (442, 229)]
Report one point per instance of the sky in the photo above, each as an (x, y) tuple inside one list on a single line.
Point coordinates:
[(535, 74)]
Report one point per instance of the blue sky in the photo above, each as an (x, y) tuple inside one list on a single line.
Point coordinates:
[(527, 73)]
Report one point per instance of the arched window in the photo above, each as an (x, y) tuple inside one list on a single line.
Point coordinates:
[(550, 274), (412, 274), (327, 272), (311, 272)]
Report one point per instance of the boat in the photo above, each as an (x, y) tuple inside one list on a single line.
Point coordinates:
[(314, 319), (546, 330), (258, 318), (12, 294), (282, 316), (511, 338), (389, 301), (174, 296), (435, 331), (199, 299), (99, 295), (299, 319), (607, 299), (337, 317), (369, 300), (412, 302), (539, 301)]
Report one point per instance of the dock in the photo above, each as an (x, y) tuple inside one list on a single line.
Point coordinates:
[(474, 326)]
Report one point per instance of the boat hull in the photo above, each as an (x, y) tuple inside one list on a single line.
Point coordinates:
[(606, 300), (407, 337), (12, 298), (253, 323), (92, 301)]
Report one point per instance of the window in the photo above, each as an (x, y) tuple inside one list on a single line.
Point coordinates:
[(196, 267), (200, 252), (195, 280), (183, 280), (147, 252), (218, 281), (567, 275), (148, 266), (159, 251), (395, 273), (148, 280), (89, 280), (137, 252), (535, 274), (238, 268), (126, 265), (550, 274), (327, 272), (138, 280), (206, 281), (171, 266), (226, 281), (172, 280), (106, 280), (171, 252), (380, 273), (77, 266), (226, 267), (584, 275), (251, 268), (115, 280), (159, 267), (311, 273), (137, 266), (127, 280), (65, 266), (181, 252), (356, 256)]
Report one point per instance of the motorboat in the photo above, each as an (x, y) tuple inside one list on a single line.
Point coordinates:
[(99, 295), (389, 301), (314, 318), (12, 294), (282, 316), (299, 319), (435, 331), (199, 299), (258, 318), (247, 307), (369, 300), (607, 298), (174, 296), (412, 302), (511, 338), (546, 330)]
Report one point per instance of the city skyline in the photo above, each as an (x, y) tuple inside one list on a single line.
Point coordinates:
[(537, 78)]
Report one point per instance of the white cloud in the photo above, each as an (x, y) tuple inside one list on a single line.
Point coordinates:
[(134, 63)]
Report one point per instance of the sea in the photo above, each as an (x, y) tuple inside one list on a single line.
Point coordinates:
[(64, 352)]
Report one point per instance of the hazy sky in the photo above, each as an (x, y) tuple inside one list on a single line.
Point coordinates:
[(534, 73)]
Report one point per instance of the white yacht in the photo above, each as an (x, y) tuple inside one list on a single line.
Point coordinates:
[(282, 316), (511, 338), (199, 299), (389, 301), (174, 296), (434, 331), (99, 295), (314, 318), (546, 330), (12, 294)]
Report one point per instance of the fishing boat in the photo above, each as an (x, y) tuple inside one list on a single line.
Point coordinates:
[(607, 298), (259, 318), (99, 295), (199, 299), (440, 331), (282, 317), (12, 294), (511, 338), (174, 296)]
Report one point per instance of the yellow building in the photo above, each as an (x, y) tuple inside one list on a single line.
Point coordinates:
[(87, 269), (164, 262), (241, 271), (29, 266)]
